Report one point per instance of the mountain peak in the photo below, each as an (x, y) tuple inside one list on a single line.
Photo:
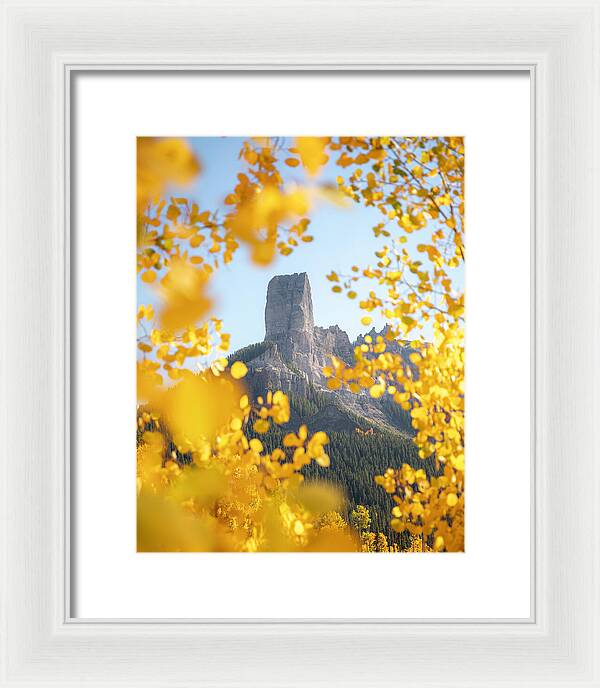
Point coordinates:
[(289, 310), (294, 353)]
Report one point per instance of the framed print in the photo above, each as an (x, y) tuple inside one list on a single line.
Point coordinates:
[(301, 351), (303, 342)]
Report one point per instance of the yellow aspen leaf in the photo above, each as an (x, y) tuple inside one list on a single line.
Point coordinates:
[(146, 312), (239, 370), (203, 217), (264, 251), (162, 161), (261, 426), (149, 276), (458, 462), (191, 411), (250, 156), (173, 212), (377, 391), (291, 440), (312, 152), (256, 445), (182, 290), (319, 438), (451, 499), (323, 460), (292, 162)]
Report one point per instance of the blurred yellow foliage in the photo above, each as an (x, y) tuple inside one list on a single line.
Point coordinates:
[(229, 494), (311, 150), (182, 292), (161, 162)]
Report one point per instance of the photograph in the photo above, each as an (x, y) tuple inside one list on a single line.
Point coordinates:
[(300, 344)]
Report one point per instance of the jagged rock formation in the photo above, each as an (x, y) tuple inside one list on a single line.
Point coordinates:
[(289, 320), (292, 356)]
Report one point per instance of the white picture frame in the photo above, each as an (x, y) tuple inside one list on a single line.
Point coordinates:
[(44, 44)]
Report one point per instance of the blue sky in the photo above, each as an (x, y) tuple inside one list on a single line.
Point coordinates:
[(343, 238)]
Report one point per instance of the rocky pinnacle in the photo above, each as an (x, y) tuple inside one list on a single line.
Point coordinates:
[(297, 353), (289, 318), (289, 306)]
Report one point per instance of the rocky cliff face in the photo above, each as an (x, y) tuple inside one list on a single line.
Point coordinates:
[(289, 319), (289, 324), (294, 353), (333, 340)]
